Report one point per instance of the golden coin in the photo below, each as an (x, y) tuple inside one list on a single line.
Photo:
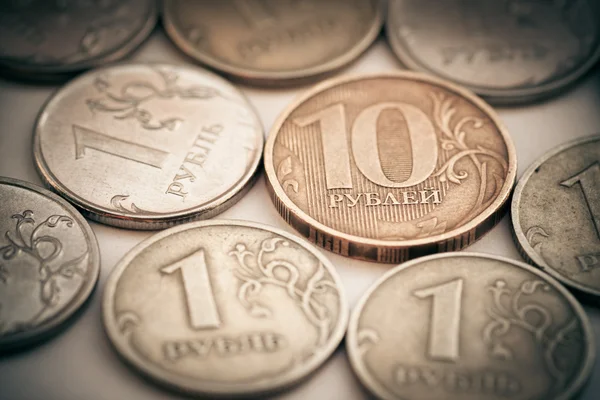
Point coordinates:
[(389, 167)]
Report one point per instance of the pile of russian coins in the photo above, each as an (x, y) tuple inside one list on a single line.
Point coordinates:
[(395, 167)]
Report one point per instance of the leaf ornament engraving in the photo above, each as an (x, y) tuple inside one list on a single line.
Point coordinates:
[(127, 321), (366, 338), (117, 202), (256, 273), (454, 141), (283, 170), (535, 237), (126, 101), (37, 242), (511, 310)]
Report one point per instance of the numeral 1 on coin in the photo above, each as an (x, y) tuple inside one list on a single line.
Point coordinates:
[(89, 139), (444, 328), (336, 153), (201, 304), (589, 179)]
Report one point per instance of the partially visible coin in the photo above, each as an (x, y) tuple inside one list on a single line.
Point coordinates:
[(389, 167), (225, 308), (266, 41), (556, 214), (470, 326), (147, 146), (506, 51), (49, 263), (42, 37)]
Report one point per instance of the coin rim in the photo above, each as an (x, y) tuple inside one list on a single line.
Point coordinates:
[(190, 385), (143, 221), (127, 47), (508, 96), (288, 204), (260, 76), (358, 366), (89, 283), (528, 253)]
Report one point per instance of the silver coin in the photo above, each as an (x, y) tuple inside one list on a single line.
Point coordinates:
[(506, 51), (49, 263), (225, 308), (470, 326), (556, 215), (273, 42), (57, 36), (147, 146)]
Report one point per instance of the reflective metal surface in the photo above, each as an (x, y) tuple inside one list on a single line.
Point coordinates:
[(80, 362), (556, 214), (470, 326), (507, 51), (41, 37), (273, 42), (49, 263), (225, 307), (390, 167), (148, 146)]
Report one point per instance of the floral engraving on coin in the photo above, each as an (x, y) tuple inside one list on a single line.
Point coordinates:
[(117, 203), (283, 170), (535, 237), (454, 141), (512, 310), (261, 272), (38, 243), (126, 101)]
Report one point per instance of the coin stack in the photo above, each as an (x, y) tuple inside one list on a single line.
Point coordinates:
[(405, 166)]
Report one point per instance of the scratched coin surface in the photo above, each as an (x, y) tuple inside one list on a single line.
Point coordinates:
[(268, 41), (507, 51), (147, 146), (49, 263), (225, 308), (390, 167), (556, 214), (57, 36), (470, 326)]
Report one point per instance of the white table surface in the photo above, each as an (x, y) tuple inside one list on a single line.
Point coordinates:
[(79, 363)]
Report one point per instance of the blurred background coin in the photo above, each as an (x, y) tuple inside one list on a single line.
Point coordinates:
[(470, 326), (225, 308), (506, 51), (556, 214), (147, 146), (270, 42), (389, 167), (49, 263), (44, 37)]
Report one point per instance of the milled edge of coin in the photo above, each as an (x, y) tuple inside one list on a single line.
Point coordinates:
[(519, 237), (274, 78), (586, 327), (54, 325), (186, 385), (150, 221), (391, 252), (30, 72), (510, 96)]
